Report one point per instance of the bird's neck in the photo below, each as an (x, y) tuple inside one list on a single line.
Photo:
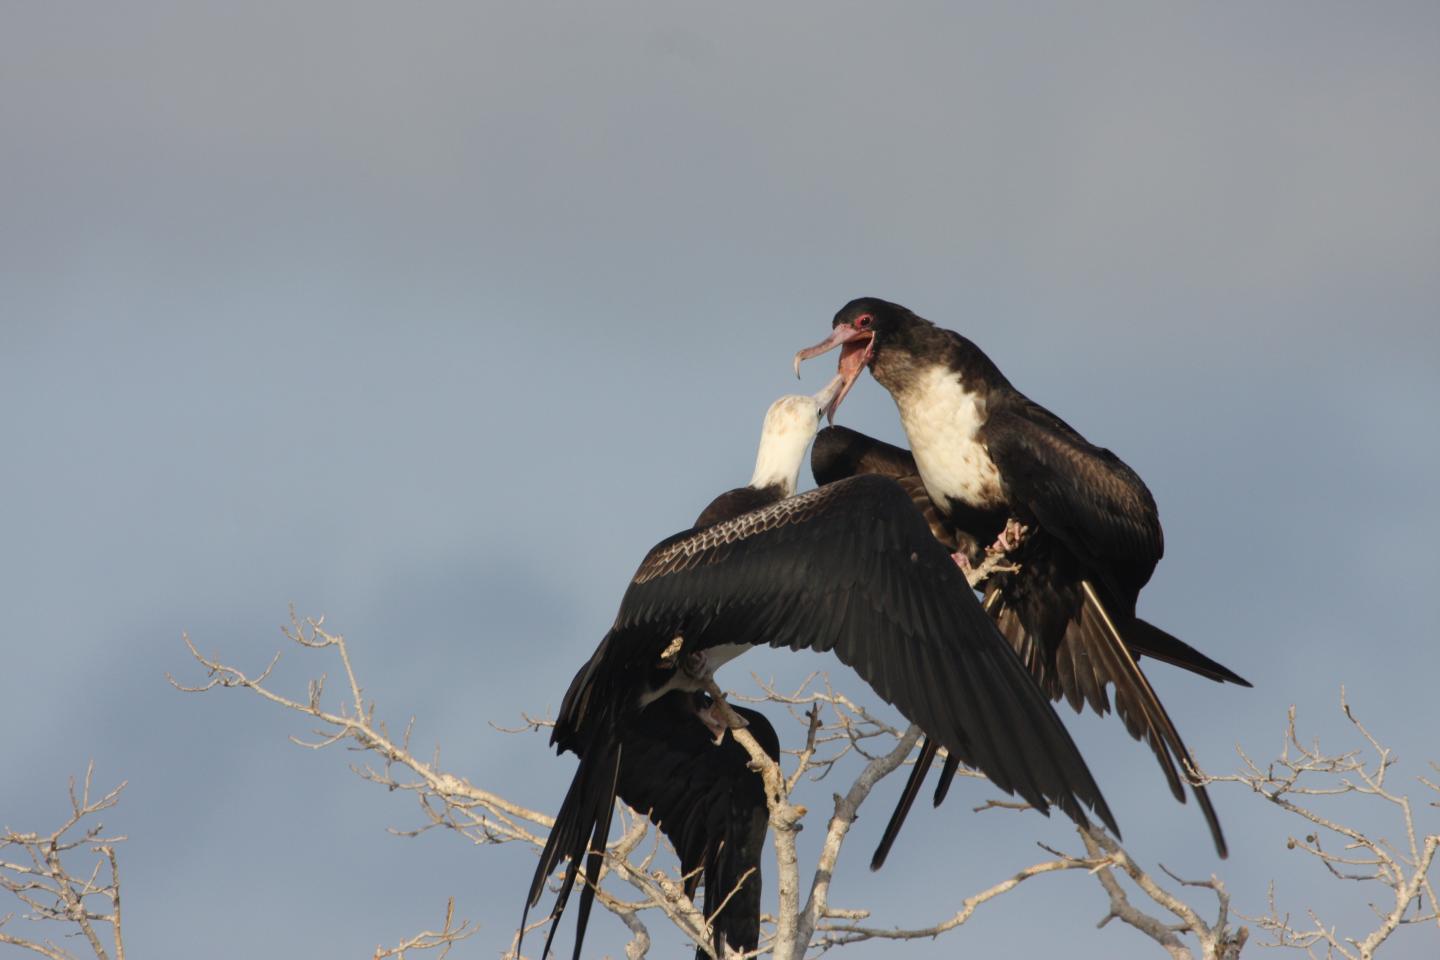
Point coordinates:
[(906, 362), (778, 463)]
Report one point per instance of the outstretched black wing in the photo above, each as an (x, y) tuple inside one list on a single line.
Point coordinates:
[(709, 803), (852, 567), (1050, 597), (840, 452)]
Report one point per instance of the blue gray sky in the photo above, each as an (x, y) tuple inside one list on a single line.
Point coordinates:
[(433, 318)]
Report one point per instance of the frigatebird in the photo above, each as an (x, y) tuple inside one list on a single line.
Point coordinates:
[(850, 567), (1080, 523), (710, 803)]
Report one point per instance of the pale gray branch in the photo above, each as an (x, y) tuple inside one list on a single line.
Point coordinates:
[(51, 888), (1304, 774), (835, 728)]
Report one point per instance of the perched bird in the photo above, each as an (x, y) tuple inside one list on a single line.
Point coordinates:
[(850, 567), (1079, 523), (709, 802)]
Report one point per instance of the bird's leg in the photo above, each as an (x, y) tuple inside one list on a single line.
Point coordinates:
[(1010, 538), (715, 722), (1016, 531), (962, 560)]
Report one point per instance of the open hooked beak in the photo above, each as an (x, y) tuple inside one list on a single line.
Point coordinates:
[(856, 348)]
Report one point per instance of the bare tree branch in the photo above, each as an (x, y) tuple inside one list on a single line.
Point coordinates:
[(42, 877), (1298, 781), (835, 727), (1217, 940), (443, 939), (833, 934)]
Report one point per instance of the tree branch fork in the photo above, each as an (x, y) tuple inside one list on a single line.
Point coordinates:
[(838, 734)]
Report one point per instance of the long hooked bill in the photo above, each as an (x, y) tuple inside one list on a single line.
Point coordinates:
[(825, 398), (844, 333), (857, 346)]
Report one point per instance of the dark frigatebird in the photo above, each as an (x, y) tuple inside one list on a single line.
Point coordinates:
[(710, 803), (850, 567), (1081, 525)]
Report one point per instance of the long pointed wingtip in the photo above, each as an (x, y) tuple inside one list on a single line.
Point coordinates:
[(1109, 819), (947, 777), (1212, 820), (928, 749)]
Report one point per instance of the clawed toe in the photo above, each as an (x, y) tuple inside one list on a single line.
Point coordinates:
[(1010, 538)]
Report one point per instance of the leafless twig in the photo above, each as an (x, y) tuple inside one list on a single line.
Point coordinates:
[(1302, 780), (39, 871), (443, 939), (444, 799), (834, 728)]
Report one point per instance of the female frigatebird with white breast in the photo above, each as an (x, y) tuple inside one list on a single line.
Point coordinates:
[(1081, 525), (850, 567)]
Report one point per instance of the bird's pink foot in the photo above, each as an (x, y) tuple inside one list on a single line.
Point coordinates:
[(962, 561), (1010, 538)]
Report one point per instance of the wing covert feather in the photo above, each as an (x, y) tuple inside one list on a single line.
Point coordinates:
[(1082, 494), (853, 567)]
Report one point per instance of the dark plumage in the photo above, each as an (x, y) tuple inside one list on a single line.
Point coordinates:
[(840, 452), (709, 803), (986, 453), (853, 568), (732, 503)]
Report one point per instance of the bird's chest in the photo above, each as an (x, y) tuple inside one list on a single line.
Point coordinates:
[(942, 420)]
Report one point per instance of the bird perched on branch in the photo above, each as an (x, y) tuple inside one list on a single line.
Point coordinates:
[(998, 472), (850, 568)]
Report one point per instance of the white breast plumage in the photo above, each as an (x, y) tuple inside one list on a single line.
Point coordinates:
[(942, 420)]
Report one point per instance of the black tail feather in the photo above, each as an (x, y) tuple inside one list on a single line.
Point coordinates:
[(733, 879), (593, 862), (928, 749), (581, 827), (1146, 638), (1155, 725)]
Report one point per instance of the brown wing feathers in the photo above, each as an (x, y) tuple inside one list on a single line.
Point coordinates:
[(852, 566), (709, 803), (1091, 658), (1160, 731), (1090, 655)]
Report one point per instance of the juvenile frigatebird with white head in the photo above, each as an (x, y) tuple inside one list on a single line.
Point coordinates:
[(1082, 525), (851, 568)]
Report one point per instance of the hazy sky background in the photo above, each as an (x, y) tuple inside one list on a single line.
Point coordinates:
[(434, 317)]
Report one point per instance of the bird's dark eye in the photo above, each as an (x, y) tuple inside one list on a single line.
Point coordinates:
[(864, 321)]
